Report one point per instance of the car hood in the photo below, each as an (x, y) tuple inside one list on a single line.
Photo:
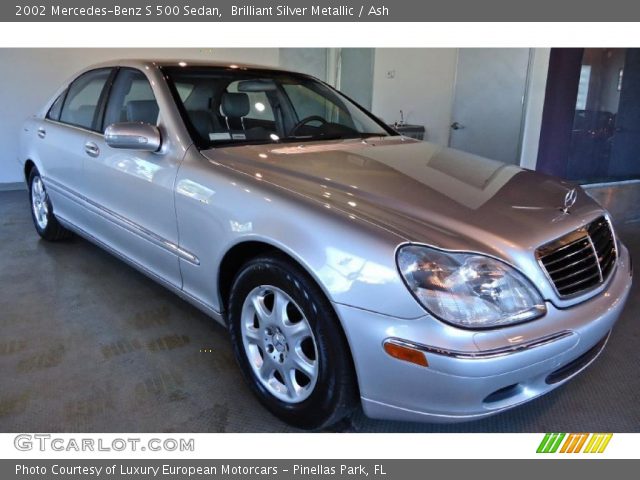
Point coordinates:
[(419, 190)]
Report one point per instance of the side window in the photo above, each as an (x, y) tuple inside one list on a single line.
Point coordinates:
[(131, 99), (56, 108), (81, 105)]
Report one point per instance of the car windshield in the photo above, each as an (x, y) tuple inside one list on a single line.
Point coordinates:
[(235, 106)]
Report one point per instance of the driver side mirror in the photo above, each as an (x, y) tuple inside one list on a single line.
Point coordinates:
[(133, 136)]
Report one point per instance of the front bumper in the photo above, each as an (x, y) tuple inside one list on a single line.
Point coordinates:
[(474, 374)]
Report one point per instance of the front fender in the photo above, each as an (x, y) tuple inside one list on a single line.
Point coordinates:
[(352, 260)]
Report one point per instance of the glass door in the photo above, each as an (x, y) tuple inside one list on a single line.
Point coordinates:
[(605, 138)]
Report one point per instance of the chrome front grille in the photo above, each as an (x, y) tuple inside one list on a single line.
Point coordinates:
[(581, 260)]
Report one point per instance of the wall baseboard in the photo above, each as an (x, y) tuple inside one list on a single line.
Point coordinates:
[(7, 187)]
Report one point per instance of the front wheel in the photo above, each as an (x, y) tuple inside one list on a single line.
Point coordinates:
[(46, 223), (289, 344)]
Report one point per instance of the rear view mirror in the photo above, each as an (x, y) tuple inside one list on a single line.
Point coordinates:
[(260, 85), (133, 136)]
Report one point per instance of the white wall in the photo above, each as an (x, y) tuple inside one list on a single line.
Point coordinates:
[(422, 88), (533, 110), (30, 76), (312, 61)]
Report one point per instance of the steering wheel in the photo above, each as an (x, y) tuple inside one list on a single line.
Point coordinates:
[(304, 121)]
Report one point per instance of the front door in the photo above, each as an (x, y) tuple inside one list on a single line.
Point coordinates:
[(132, 191)]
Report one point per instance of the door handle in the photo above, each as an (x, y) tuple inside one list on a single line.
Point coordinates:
[(92, 149), (42, 132), (456, 126)]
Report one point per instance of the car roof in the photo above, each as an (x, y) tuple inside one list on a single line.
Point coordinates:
[(153, 63), (150, 62)]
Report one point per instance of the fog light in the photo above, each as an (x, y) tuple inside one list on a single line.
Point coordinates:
[(407, 354)]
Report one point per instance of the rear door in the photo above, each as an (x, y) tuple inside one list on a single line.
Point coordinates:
[(62, 142), (132, 191)]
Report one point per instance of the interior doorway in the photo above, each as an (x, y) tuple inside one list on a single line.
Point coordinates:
[(489, 99)]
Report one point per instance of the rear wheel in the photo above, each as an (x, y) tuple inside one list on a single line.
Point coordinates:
[(46, 223), (289, 344)]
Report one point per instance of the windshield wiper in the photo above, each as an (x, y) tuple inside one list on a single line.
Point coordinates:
[(371, 134), (293, 139), (315, 138)]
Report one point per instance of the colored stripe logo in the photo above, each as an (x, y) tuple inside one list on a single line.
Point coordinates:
[(574, 442)]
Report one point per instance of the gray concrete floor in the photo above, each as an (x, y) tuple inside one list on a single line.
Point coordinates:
[(88, 344)]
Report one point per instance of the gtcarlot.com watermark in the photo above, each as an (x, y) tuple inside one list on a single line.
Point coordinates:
[(45, 442)]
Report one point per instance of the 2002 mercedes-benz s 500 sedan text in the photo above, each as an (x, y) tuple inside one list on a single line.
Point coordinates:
[(350, 264)]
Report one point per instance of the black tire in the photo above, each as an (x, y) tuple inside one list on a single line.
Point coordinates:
[(52, 231), (334, 395)]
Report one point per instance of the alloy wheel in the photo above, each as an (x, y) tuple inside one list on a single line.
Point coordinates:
[(279, 344), (39, 203)]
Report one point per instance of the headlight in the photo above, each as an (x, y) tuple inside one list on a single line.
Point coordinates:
[(469, 290)]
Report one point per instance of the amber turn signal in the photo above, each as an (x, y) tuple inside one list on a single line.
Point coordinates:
[(406, 354)]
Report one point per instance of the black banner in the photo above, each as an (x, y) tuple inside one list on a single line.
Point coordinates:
[(318, 11), (312, 469)]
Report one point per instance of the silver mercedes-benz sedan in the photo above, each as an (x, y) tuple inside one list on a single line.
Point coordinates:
[(351, 265)]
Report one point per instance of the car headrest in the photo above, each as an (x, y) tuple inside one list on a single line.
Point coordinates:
[(84, 115), (235, 105), (142, 111)]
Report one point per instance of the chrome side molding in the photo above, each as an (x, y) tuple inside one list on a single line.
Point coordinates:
[(123, 222), (199, 304)]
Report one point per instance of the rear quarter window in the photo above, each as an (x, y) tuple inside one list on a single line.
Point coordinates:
[(56, 108)]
